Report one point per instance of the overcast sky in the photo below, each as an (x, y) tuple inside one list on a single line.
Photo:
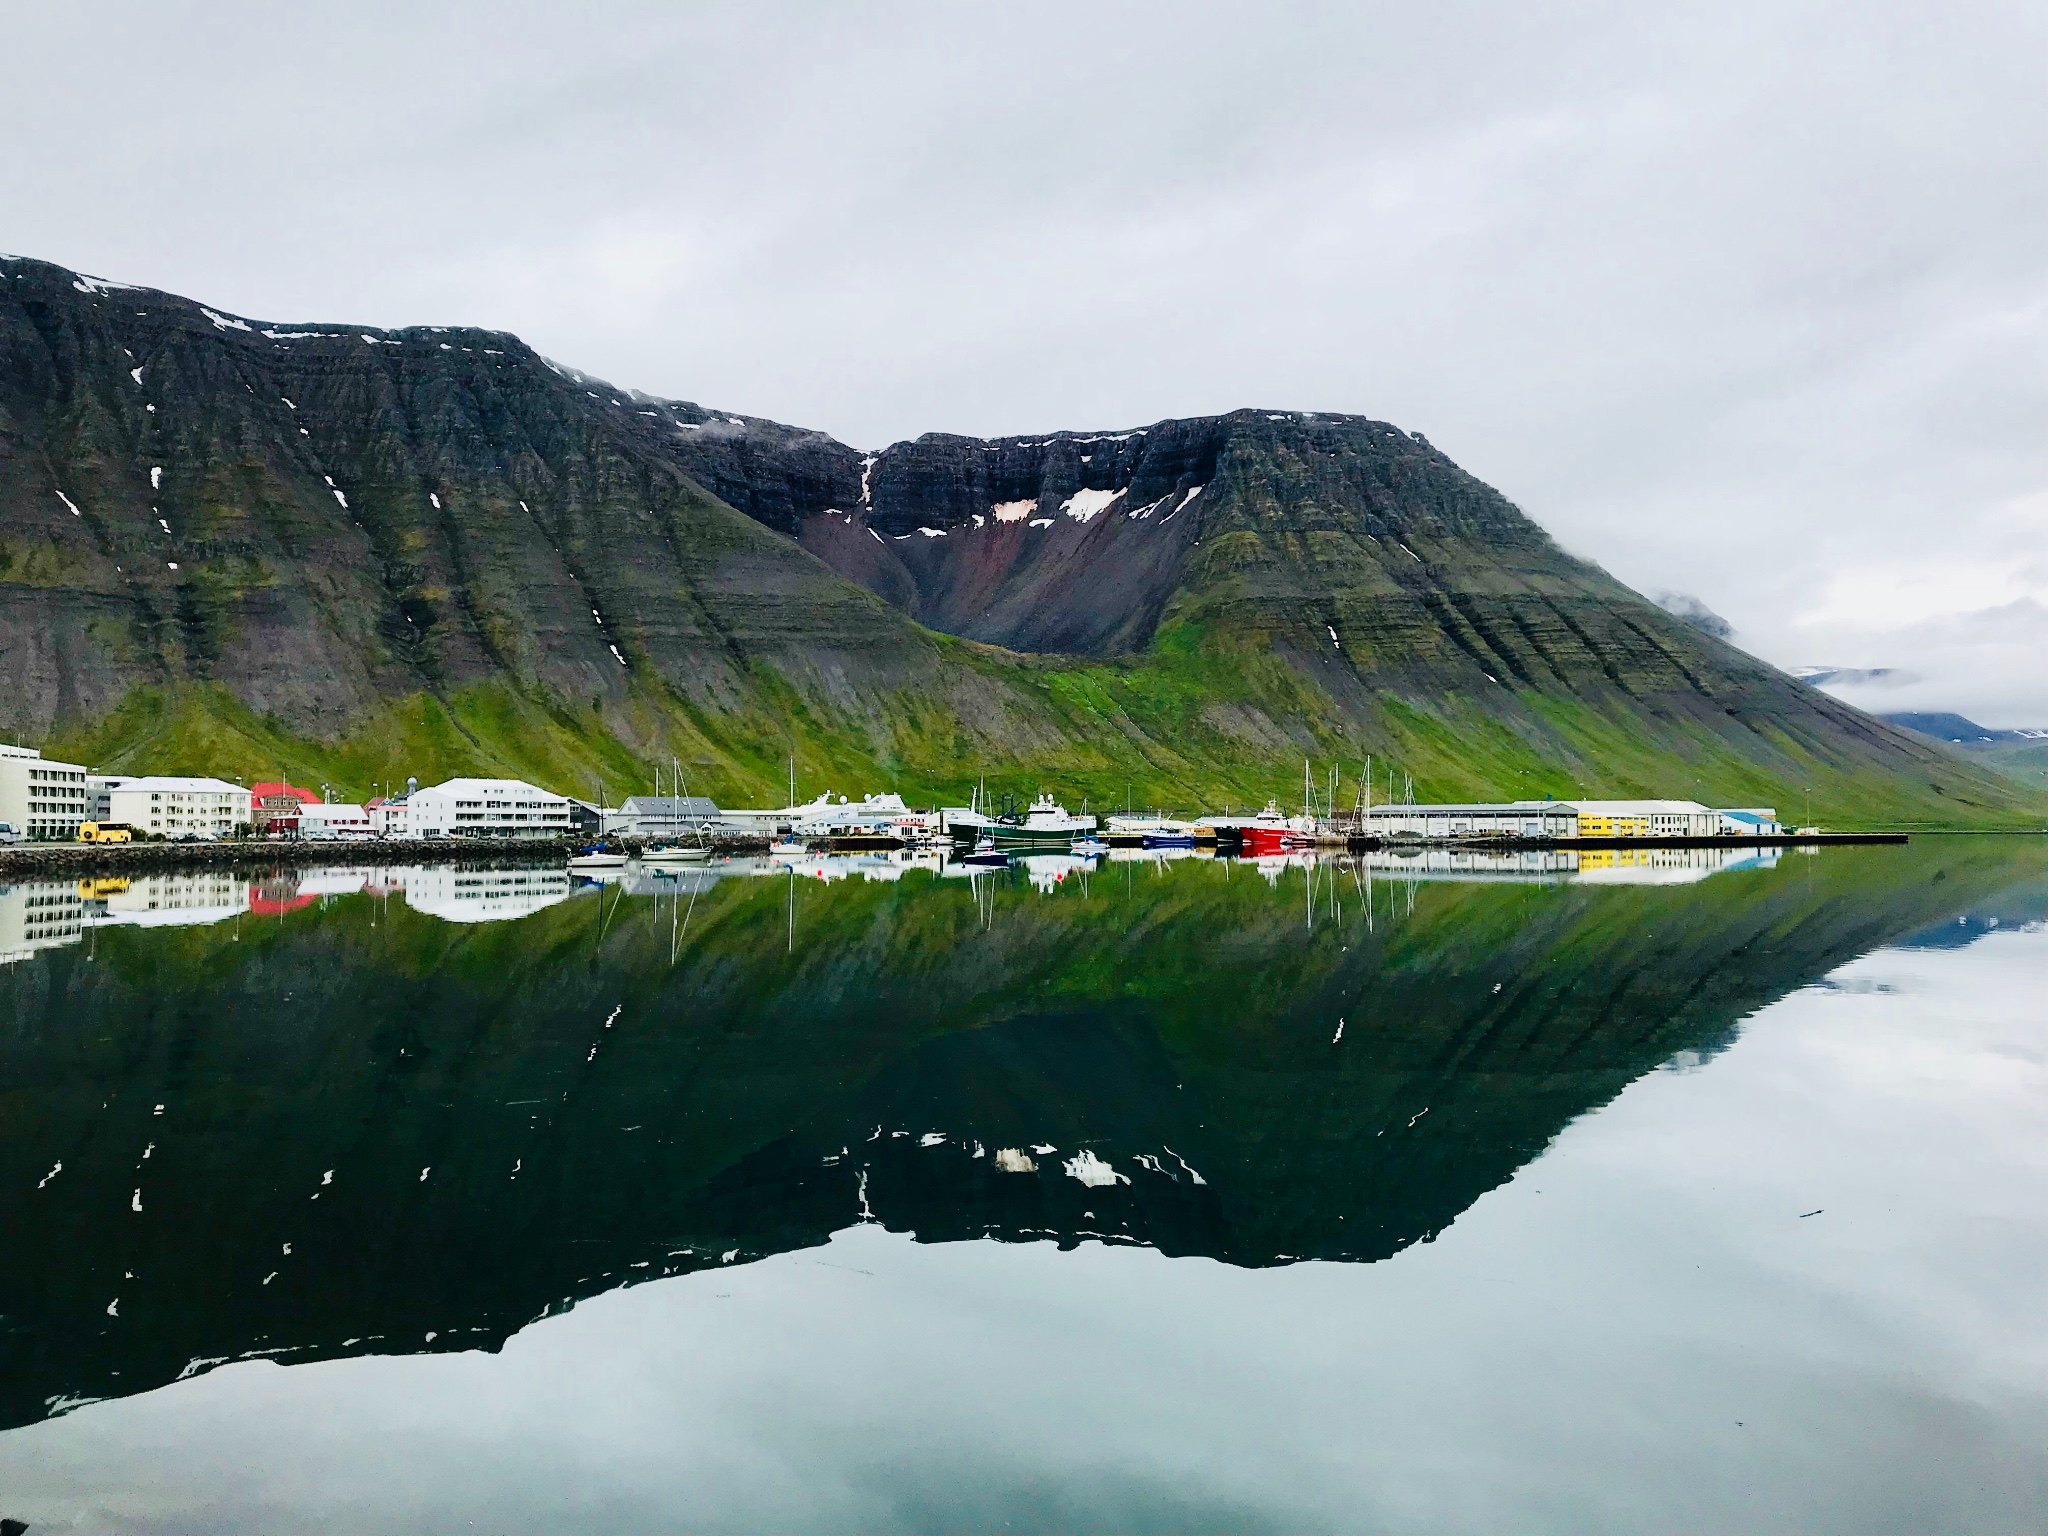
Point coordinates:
[(1745, 301)]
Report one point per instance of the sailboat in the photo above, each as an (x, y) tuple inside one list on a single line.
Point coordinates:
[(672, 852)]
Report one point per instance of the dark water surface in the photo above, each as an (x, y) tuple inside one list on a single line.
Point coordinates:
[(1180, 1197)]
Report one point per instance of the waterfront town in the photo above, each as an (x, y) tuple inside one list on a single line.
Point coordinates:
[(45, 800)]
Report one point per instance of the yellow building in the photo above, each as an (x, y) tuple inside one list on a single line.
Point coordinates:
[(1646, 818)]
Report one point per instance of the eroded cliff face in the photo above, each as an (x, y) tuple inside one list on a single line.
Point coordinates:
[(1357, 549), (1008, 542), (1072, 542), (1080, 542)]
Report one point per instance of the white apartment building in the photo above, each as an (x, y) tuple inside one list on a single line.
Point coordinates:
[(42, 797), (328, 821), (486, 808), (172, 807)]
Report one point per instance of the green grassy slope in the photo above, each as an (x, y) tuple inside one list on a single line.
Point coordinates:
[(1158, 728)]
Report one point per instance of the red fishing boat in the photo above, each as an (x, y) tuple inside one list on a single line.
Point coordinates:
[(1270, 832)]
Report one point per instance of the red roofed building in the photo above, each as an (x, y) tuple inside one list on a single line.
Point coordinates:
[(274, 807)]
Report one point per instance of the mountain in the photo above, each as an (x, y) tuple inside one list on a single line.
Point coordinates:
[(356, 554), (2020, 755)]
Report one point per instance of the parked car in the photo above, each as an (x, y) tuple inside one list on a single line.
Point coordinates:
[(9, 832), (105, 832)]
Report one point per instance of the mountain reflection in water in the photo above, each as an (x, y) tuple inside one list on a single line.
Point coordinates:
[(299, 1118)]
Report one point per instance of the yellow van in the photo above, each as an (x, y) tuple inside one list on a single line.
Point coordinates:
[(105, 832)]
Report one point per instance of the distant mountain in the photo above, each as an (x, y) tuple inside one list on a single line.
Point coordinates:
[(1964, 732), (2021, 755), (359, 554)]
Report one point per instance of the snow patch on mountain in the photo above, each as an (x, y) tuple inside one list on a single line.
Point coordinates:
[(1083, 505)]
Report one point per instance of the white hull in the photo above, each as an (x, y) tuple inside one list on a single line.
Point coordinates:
[(675, 856)]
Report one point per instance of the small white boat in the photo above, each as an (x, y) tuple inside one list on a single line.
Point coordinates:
[(597, 858), (675, 856)]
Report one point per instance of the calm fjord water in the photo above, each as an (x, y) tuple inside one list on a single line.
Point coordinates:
[(1153, 1198)]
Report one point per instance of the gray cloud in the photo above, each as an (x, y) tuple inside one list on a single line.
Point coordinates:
[(1685, 606), (1748, 301)]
